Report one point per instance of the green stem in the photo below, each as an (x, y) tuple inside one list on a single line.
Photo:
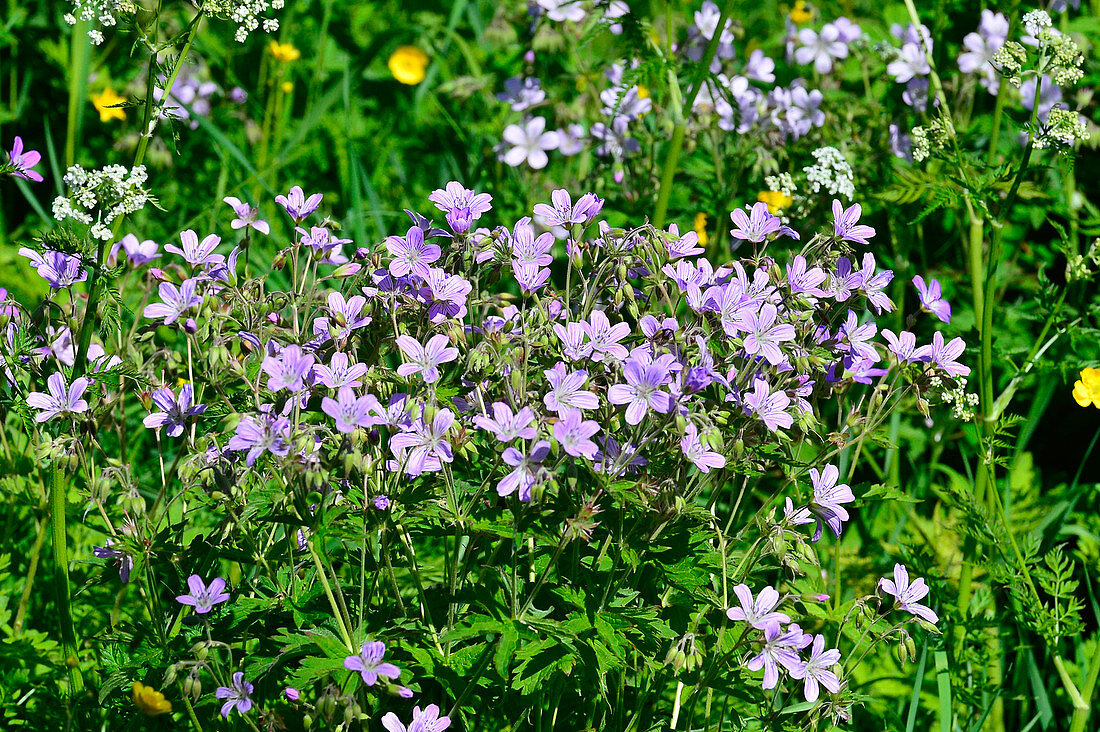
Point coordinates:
[(331, 598), (78, 87), (25, 601), (58, 500)]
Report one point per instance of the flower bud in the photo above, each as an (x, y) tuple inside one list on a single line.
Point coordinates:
[(347, 270)]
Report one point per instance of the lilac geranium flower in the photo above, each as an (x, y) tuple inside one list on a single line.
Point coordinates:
[(903, 345), (768, 406), (61, 399), (572, 336), (259, 434), (175, 301), (339, 373), (574, 433), (522, 94), (529, 143), (846, 224), (944, 355), (370, 665), (24, 161), (603, 338), (931, 298), (764, 335), (288, 369), (411, 254), (803, 279), (642, 390), (195, 252), (204, 597), (297, 206), (757, 226), (821, 49), (567, 390), (427, 720), (461, 205), (758, 612), (828, 499), (564, 213), (236, 695), (446, 294), (349, 411), (125, 561), (982, 46), (907, 595), (57, 268), (346, 314), (816, 672), (780, 649), (529, 277), (174, 410), (873, 285), (138, 252), (526, 468), (247, 216), (425, 359), (695, 451), (855, 339), (425, 443), (844, 280), (506, 426)]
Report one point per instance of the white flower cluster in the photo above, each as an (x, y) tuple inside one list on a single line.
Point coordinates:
[(108, 193), (103, 12), (246, 14), (961, 402), (831, 172), (1063, 128), (782, 183)]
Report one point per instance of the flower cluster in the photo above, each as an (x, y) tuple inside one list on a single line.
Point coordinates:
[(99, 197), (102, 12)]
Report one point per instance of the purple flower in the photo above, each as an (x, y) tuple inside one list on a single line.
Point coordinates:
[(235, 695), (138, 253), (821, 50), (381, 502), (370, 665), (564, 213), (338, 373), (350, 412), (422, 721), (682, 246), (780, 649), (945, 356), (566, 390), (346, 314), (982, 46), (529, 277), (260, 434), (24, 161), (59, 269), (815, 673), (292, 694), (695, 451), (572, 335), (425, 360), (462, 206), (805, 281), (768, 406), (764, 335), (529, 249), (529, 143), (873, 284), (757, 226), (507, 427), (526, 468), (195, 252), (844, 280), (642, 390), (604, 338), (247, 216), (522, 93), (174, 410), (903, 345), (204, 597), (846, 224), (62, 399), (855, 339), (931, 299), (827, 500), (906, 595), (411, 254), (175, 301), (759, 613), (124, 560), (288, 369), (446, 293), (426, 444), (297, 205), (573, 432)]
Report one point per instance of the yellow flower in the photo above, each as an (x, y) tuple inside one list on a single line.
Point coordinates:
[(643, 92), (1087, 390), (802, 12), (149, 700), (408, 64), (284, 52), (700, 227), (287, 87), (104, 103), (776, 201)]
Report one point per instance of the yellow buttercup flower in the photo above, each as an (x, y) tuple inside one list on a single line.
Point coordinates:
[(643, 92), (149, 700), (287, 87), (802, 12), (284, 52), (700, 227), (408, 65), (775, 199), (1087, 390), (104, 103)]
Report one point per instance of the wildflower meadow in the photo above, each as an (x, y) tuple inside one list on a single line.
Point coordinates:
[(539, 365)]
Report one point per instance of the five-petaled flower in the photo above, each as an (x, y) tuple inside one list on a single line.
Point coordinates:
[(907, 594), (247, 216), (425, 359), (827, 500), (23, 161), (759, 612), (1086, 390), (370, 665), (61, 399), (931, 298), (174, 410), (203, 597), (236, 695), (426, 720), (297, 205)]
